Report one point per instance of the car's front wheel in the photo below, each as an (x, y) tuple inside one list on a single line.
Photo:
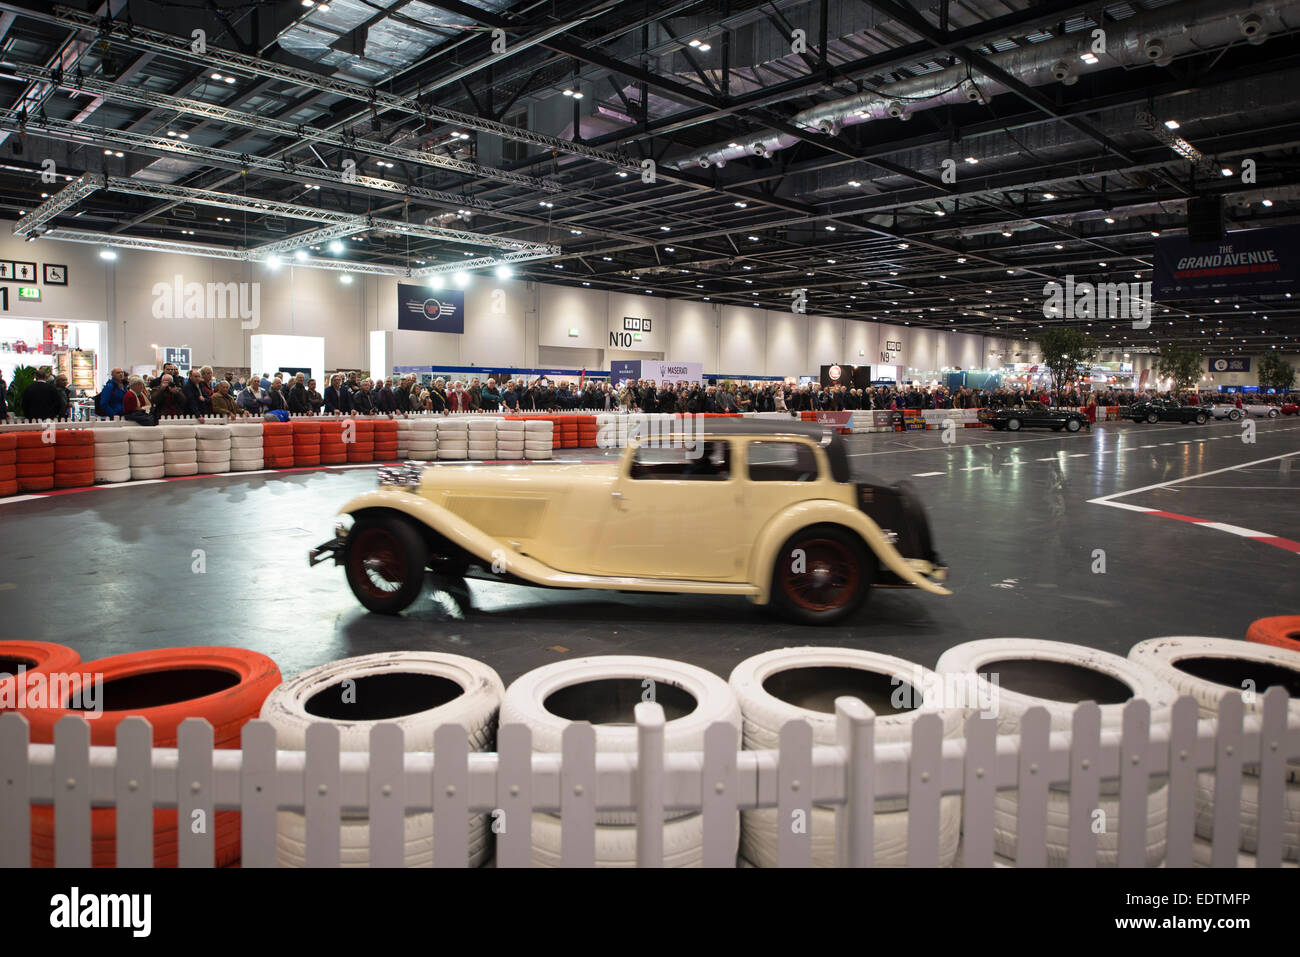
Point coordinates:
[(822, 574), (384, 560), (1152, 418), (1201, 419), (1234, 415), (1272, 413), (1013, 425), (1073, 425)]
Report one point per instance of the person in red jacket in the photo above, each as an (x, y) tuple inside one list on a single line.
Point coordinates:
[(457, 398)]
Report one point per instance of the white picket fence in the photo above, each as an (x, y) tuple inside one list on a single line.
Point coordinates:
[(512, 782)]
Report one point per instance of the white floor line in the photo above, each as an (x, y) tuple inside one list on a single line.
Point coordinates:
[(925, 474), (1235, 530), (1107, 499)]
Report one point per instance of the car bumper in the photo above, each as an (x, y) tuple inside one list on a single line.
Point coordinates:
[(936, 571), (333, 548)]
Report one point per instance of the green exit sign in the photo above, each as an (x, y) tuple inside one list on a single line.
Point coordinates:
[(29, 292)]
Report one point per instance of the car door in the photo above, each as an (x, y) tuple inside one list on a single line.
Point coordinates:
[(675, 513)]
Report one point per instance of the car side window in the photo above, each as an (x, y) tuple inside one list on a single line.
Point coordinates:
[(705, 462), (782, 462)]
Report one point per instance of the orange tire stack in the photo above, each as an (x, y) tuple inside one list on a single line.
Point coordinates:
[(363, 449), (385, 440), (34, 464), (1281, 631), (8, 465), (225, 686), (586, 431), (306, 442), (74, 458), (332, 449), (277, 445), (566, 431)]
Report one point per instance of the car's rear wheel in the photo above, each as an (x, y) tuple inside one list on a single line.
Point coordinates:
[(385, 560), (1013, 425), (1234, 415), (1152, 418), (1272, 413), (1200, 418), (822, 574), (1072, 425)]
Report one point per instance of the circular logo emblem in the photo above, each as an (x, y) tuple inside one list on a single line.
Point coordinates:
[(432, 309), (1220, 365), (834, 373)]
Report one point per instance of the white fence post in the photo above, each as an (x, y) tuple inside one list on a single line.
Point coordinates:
[(195, 817), (1085, 783), (855, 732), (1272, 779), (450, 796), (1031, 788), (133, 782), (1134, 784), (794, 795), (513, 826), (719, 793), (578, 795), (1227, 783), (1180, 827), (321, 795), (978, 791), (386, 790), (72, 845), (15, 796), (258, 794), (923, 792), (650, 783)]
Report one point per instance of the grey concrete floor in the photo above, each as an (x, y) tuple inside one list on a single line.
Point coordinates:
[(113, 570)]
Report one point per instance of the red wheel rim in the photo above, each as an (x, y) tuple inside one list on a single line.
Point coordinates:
[(377, 562), (826, 578)]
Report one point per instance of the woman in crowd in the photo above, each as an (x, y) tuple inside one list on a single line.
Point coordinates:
[(136, 406)]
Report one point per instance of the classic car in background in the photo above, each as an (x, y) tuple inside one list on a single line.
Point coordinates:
[(1226, 410), (767, 510), (1034, 415), (1167, 410)]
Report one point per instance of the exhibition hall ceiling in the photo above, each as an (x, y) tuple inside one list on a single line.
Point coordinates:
[(933, 164)]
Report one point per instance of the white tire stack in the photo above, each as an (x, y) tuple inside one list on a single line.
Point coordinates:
[(112, 454), (145, 450), (1207, 669), (245, 446), (482, 437), (801, 684), (419, 692), (180, 450), (539, 438), (510, 439), (1028, 670), (453, 437), (604, 690), (212, 448), (421, 439)]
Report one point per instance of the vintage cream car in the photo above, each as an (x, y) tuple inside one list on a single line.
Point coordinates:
[(757, 508)]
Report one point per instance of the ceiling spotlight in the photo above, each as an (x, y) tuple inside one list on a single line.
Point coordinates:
[(171, 132), (576, 232), (705, 48), (854, 182), (1268, 202), (231, 79), (670, 249), (461, 279), (622, 174), (300, 255), (1006, 232), (694, 43), (504, 272), (972, 160), (108, 152), (1155, 232), (346, 279), (666, 228), (1088, 58), (273, 262), (119, 154), (107, 254), (336, 247), (1110, 220), (1172, 124), (753, 239), (568, 93), (1059, 246), (1226, 171), (740, 205), (830, 229), (218, 77), (940, 212)]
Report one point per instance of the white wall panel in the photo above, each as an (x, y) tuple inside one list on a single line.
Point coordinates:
[(825, 343), (745, 335)]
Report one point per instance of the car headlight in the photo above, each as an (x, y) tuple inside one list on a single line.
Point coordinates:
[(407, 474)]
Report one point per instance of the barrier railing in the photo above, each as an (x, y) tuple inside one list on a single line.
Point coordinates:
[(509, 785)]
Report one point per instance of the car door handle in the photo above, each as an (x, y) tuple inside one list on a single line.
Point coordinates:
[(618, 500)]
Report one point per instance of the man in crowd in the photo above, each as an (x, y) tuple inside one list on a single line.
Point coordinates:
[(383, 396), (111, 396), (314, 398), (251, 398), (335, 397), (195, 404), (41, 399), (490, 396), (297, 399), (363, 400), (169, 368), (223, 403), (275, 399), (169, 398), (4, 398)]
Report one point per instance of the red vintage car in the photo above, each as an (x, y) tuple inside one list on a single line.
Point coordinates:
[(1291, 405)]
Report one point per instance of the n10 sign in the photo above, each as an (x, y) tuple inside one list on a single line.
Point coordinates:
[(422, 309)]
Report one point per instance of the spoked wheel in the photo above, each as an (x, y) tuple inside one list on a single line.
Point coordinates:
[(1073, 425), (822, 574), (1013, 425), (385, 563), (1152, 418), (1201, 419)]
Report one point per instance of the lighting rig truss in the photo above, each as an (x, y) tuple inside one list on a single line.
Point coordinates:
[(127, 93), (118, 31), (63, 200), (1204, 164)]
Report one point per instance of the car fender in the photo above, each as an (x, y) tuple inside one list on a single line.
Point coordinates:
[(826, 511)]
